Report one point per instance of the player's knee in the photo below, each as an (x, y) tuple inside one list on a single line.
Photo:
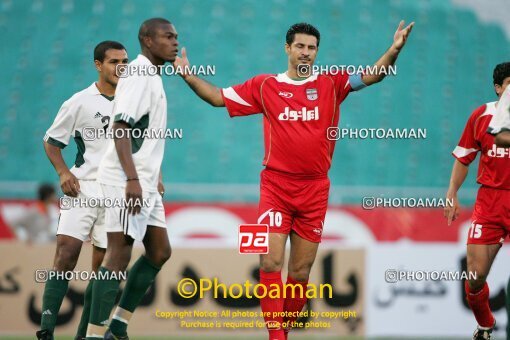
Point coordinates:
[(478, 283), (300, 273), (300, 276), (271, 265), (163, 256), (66, 258), (117, 259), (160, 256)]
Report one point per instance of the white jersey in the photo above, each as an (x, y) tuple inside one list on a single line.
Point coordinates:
[(81, 116), (501, 120), (140, 101)]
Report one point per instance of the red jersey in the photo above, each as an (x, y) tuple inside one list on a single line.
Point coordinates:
[(297, 115), (494, 161)]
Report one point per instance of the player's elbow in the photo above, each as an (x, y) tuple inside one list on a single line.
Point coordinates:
[(217, 103), (49, 148), (372, 79), (46, 148), (503, 139), (217, 99)]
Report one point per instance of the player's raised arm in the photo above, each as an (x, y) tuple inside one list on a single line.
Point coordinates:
[(503, 139), (202, 88), (390, 56)]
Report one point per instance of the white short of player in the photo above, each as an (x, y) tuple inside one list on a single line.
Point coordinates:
[(118, 219), (84, 222)]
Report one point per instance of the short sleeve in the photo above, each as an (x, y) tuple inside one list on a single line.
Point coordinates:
[(132, 99), (244, 99), (468, 145), (345, 83), (501, 120), (63, 126)]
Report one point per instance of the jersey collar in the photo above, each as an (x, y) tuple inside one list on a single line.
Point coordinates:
[(284, 78), (95, 91), (143, 59)]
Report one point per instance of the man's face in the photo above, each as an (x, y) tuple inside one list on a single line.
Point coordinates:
[(501, 88), (163, 44), (303, 50), (107, 68)]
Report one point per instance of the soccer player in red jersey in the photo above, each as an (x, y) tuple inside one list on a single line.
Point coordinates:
[(500, 127), (294, 186), (490, 222)]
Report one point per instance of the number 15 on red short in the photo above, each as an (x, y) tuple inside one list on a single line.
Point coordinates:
[(253, 239)]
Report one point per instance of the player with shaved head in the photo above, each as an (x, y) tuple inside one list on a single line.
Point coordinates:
[(130, 171)]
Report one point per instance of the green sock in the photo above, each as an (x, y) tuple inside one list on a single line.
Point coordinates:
[(54, 292), (104, 293), (84, 321), (140, 278)]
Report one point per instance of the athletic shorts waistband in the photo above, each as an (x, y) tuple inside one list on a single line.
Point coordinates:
[(289, 175)]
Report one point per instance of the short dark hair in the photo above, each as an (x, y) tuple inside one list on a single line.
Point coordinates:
[(45, 191), (103, 46), (148, 27), (501, 71), (304, 28)]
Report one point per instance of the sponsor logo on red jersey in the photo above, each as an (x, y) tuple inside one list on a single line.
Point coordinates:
[(498, 152), (303, 114), (285, 94)]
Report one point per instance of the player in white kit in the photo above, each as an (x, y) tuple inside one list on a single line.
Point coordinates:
[(130, 171), (80, 117)]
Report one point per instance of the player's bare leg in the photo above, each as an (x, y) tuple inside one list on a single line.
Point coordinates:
[(97, 259), (273, 261), (479, 261), (301, 259), (66, 255), (270, 274), (141, 276), (104, 291)]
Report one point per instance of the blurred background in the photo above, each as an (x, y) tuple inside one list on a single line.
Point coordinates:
[(212, 174)]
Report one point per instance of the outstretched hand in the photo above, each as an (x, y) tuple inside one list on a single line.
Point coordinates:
[(401, 34), (182, 63)]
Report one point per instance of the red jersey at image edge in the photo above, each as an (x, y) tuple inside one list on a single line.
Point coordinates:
[(494, 161)]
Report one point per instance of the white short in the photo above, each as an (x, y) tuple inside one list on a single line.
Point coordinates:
[(81, 221), (118, 219)]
